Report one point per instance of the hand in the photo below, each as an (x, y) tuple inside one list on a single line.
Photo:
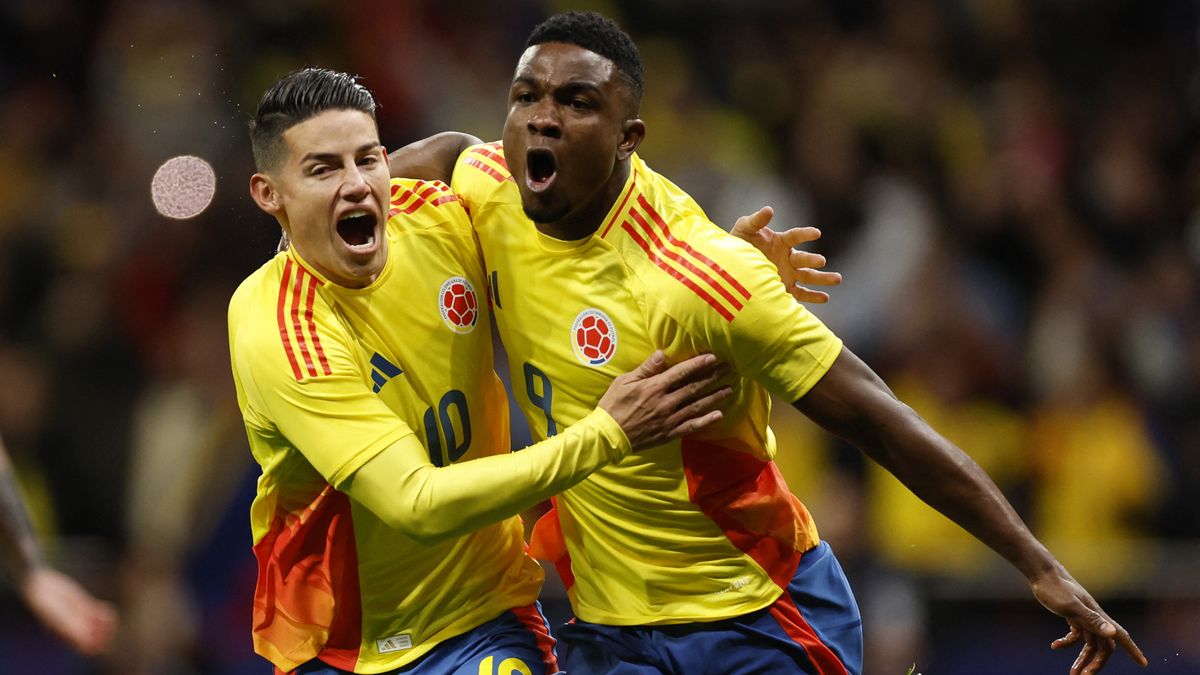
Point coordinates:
[(69, 611), (654, 404), (1061, 594), (797, 269)]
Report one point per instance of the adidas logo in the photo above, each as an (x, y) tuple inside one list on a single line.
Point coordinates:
[(382, 370)]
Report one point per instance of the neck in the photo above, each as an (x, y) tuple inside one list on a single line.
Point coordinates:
[(585, 220)]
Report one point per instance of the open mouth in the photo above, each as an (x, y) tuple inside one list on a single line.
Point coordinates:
[(540, 168), (357, 228)]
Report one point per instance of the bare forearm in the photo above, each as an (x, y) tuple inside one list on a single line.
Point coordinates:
[(18, 542), (430, 158), (856, 405)]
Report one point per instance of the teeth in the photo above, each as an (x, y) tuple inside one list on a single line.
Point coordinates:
[(354, 214), (369, 243)]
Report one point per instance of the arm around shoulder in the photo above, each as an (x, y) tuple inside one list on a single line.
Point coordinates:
[(430, 158)]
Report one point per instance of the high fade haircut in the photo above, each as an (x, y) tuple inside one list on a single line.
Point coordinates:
[(595, 33), (296, 97)]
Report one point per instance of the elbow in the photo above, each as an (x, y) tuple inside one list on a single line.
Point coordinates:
[(415, 516), (417, 524)]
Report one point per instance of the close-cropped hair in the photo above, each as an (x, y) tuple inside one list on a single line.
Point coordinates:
[(595, 33), (296, 97)]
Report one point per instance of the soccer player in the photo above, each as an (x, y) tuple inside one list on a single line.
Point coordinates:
[(692, 557), (58, 601), (384, 523)]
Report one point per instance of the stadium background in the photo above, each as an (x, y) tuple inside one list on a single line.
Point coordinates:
[(1011, 188)]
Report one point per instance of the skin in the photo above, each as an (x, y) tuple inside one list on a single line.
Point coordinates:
[(58, 601), (334, 166), (571, 103)]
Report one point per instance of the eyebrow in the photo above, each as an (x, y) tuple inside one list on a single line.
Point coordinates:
[(331, 156)]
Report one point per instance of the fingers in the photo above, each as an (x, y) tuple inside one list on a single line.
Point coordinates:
[(654, 364), (1067, 640), (808, 295), (1131, 648), (747, 227), (800, 235), (697, 370), (695, 424), (818, 278), (801, 259)]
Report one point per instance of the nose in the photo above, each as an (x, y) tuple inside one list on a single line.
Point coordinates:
[(355, 188), (544, 120)]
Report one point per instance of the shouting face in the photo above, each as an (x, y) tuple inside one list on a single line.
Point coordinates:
[(570, 131), (330, 192)]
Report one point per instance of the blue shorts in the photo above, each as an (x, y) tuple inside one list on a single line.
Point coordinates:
[(517, 642), (814, 627)]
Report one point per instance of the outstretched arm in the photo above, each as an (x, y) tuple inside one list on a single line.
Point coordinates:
[(58, 601), (852, 402), (797, 269), (430, 158)]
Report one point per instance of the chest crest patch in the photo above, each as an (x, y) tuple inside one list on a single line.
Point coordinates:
[(459, 305), (594, 337)]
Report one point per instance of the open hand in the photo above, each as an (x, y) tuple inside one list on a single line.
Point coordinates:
[(654, 403), (1089, 624), (797, 269), (69, 611)]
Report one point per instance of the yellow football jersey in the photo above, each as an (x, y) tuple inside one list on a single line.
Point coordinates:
[(698, 529), (327, 378)]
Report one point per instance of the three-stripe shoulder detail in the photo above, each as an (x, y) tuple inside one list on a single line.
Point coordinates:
[(406, 199), (489, 160), (297, 328), (699, 273)]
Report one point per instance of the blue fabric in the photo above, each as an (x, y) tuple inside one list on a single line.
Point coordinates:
[(500, 640), (753, 643)]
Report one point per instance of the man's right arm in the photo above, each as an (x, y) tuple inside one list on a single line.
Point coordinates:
[(430, 158)]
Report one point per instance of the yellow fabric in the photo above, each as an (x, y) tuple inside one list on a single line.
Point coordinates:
[(641, 551), (316, 366)]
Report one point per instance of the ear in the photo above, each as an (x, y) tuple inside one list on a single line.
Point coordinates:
[(265, 195), (632, 133)]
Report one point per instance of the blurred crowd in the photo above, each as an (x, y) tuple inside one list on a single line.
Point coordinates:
[(1011, 189)]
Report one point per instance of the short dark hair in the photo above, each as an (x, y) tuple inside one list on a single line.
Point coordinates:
[(296, 97), (595, 33)]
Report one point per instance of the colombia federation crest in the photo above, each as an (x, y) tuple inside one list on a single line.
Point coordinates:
[(594, 337), (459, 305)]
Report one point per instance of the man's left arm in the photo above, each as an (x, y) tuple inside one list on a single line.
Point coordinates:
[(851, 401)]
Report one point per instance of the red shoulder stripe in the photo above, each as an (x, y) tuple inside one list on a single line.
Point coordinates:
[(686, 264), (662, 264), (297, 330), (478, 164), (280, 314), (703, 259), (489, 151), (312, 325), (621, 208)]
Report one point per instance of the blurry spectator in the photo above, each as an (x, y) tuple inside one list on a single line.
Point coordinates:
[(56, 600)]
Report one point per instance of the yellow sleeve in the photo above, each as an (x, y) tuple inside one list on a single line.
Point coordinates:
[(333, 420), (430, 503), (771, 338), (479, 171)]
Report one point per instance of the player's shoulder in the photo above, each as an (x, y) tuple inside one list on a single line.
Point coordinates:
[(416, 202), (480, 170), (276, 316)]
